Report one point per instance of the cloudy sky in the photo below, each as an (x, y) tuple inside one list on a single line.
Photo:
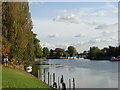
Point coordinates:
[(81, 24)]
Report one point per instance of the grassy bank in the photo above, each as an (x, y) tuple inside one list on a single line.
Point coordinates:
[(39, 59), (13, 78)]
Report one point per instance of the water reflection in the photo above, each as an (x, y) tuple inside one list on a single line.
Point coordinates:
[(87, 74)]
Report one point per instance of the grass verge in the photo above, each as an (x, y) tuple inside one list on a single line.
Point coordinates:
[(14, 78)]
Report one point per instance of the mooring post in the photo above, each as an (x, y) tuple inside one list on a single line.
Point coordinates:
[(62, 79), (69, 84), (54, 83), (53, 77), (63, 86), (38, 74), (48, 78), (58, 83), (73, 83), (44, 75)]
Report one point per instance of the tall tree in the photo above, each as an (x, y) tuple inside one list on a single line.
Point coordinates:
[(17, 29), (72, 51)]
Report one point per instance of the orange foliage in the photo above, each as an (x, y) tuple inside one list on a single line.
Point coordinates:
[(5, 51)]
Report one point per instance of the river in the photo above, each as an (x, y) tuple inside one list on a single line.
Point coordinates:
[(87, 73)]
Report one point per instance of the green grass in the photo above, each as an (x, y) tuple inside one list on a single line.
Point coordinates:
[(13, 78), (39, 59)]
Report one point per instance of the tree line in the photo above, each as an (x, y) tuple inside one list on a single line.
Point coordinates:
[(104, 53), (18, 39), (59, 52)]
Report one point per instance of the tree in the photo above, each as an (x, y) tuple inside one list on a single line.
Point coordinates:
[(53, 54), (60, 52), (46, 52), (94, 52), (57, 53), (72, 51), (66, 53), (17, 29)]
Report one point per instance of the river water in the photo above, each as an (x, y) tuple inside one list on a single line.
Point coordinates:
[(87, 74)]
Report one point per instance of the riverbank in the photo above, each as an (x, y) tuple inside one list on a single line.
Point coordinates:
[(39, 59), (15, 78)]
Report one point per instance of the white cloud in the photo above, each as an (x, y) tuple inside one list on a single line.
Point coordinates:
[(53, 35), (68, 11), (63, 46), (105, 26), (72, 18), (95, 22), (99, 40), (80, 35), (45, 44), (108, 33), (53, 46), (80, 43)]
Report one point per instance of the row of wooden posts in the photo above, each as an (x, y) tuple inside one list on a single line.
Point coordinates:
[(60, 81)]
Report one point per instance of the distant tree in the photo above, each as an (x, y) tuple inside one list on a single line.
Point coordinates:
[(94, 52), (46, 52), (60, 52), (72, 51), (53, 54), (111, 51), (66, 53), (85, 52), (105, 53)]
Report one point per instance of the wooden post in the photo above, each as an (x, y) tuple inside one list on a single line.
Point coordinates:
[(58, 83), (62, 79), (63, 86), (48, 78), (53, 77), (38, 74), (69, 84), (44, 75), (73, 83)]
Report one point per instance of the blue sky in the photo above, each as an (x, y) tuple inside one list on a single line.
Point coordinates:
[(81, 24)]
